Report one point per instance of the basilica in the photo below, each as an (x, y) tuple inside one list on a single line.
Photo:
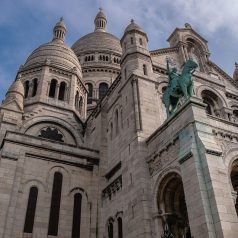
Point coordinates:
[(88, 150)]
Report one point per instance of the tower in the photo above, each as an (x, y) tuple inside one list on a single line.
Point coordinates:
[(52, 76), (136, 66)]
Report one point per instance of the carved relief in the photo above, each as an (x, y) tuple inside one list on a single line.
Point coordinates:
[(163, 157), (112, 188)]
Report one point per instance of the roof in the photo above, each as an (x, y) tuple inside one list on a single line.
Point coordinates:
[(133, 26), (97, 41), (55, 53)]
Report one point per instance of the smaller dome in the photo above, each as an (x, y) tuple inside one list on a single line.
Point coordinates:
[(133, 26), (54, 53), (16, 87)]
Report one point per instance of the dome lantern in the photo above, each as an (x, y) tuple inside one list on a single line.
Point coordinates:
[(100, 21), (59, 31)]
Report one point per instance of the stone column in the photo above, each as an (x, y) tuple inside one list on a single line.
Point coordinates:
[(186, 52), (183, 53), (134, 83), (30, 89), (48, 89), (66, 96), (158, 225), (57, 91)]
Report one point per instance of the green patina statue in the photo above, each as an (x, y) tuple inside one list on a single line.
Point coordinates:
[(179, 85)]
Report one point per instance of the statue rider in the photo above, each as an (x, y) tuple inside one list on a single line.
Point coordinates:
[(172, 73)]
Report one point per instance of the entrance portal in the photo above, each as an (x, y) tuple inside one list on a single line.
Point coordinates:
[(172, 207), (234, 181)]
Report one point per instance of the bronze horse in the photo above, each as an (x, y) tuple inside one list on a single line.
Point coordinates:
[(178, 86)]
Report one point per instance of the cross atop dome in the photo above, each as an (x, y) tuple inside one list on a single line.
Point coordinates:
[(100, 21)]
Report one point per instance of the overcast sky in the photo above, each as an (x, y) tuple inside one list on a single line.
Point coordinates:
[(25, 24)]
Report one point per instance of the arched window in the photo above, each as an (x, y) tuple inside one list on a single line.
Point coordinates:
[(62, 91), (26, 87), (114, 60), (111, 130), (100, 57), (35, 84), (53, 84), (132, 40), (141, 42), (116, 122), (31, 210), (235, 115), (103, 87), (144, 69), (76, 215), (214, 103), (90, 93), (107, 58), (80, 104), (119, 224), (110, 229), (103, 58), (76, 100), (55, 204)]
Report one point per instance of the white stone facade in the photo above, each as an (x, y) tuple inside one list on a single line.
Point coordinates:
[(135, 173)]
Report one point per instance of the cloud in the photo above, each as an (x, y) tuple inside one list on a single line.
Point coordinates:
[(210, 15), (26, 24)]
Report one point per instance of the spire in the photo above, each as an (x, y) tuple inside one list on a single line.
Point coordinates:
[(59, 31), (15, 93), (100, 21), (235, 74)]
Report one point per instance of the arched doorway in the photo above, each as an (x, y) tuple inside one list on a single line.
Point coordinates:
[(172, 207), (234, 182)]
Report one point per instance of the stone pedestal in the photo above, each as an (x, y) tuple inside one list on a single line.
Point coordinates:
[(207, 190)]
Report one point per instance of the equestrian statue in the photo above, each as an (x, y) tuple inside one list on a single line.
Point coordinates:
[(179, 85)]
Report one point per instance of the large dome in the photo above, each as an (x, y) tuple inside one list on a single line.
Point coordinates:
[(97, 41), (55, 53)]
